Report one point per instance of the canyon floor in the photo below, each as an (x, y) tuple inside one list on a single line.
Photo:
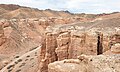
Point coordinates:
[(33, 40)]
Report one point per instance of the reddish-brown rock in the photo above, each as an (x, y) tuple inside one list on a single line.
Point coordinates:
[(2, 36), (63, 42), (70, 41)]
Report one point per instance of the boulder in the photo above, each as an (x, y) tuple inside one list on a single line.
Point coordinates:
[(115, 48)]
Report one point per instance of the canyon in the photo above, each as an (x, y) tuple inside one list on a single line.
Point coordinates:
[(71, 41), (33, 40)]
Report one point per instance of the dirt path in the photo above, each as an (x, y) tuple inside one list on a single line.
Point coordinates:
[(24, 60)]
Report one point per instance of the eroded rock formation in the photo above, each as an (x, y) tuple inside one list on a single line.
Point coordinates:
[(70, 41), (66, 40), (18, 36)]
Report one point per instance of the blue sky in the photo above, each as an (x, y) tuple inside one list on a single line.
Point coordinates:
[(74, 6)]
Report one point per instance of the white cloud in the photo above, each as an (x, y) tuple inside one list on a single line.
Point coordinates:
[(75, 3)]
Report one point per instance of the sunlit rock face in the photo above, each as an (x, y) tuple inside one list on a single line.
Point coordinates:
[(25, 33), (70, 41), (18, 36)]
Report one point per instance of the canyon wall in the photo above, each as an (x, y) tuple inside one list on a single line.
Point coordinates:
[(70, 41), (60, 38), (25, 33), (19, 36)]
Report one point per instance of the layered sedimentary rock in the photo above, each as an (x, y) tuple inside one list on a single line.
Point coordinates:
[(18, 36), (70, 41), (63, 42), (25, 33), (15, 33), (2, 37), (59, 41)]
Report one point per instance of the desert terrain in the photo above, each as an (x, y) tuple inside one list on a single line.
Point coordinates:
[(33, 40)]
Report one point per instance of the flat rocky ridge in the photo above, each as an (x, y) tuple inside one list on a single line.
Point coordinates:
[(101, 63)]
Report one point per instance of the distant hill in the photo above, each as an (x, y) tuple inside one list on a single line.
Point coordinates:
[(10, 11)]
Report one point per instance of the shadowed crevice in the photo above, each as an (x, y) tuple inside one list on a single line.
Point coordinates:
[(99, 45)]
